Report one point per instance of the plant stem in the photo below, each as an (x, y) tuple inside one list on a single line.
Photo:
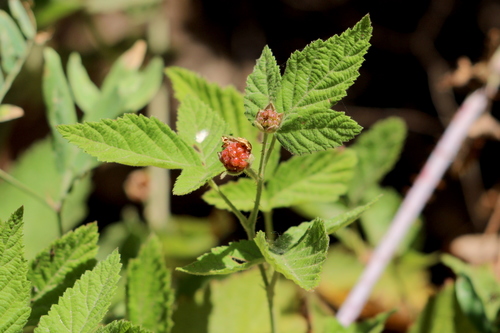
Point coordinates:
[(270, 295), (268, 222), (16, 183), (252, 220), (243, 220)]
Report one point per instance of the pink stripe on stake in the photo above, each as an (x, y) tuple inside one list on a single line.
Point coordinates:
[(415, 200)]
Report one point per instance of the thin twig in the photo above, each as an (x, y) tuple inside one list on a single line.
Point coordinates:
[(438, 162), (19, 185), (239, 215)]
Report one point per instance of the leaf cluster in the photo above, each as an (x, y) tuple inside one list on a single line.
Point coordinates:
[(65, 289)]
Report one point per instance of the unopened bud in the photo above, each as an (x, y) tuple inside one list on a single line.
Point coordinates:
[(268, 120)]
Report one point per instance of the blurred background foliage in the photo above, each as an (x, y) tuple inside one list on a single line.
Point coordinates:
[(426, 56)]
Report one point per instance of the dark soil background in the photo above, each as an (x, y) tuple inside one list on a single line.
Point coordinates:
[(414, 45)]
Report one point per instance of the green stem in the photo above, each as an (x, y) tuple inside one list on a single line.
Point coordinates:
[(60, 224), (16, 183), (243, 220), (252, 220), (268, 222), (269, 285)]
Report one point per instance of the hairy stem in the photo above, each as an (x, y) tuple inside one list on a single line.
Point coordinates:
[(243, 220), (269, 285), (268, 223), (252, 220)]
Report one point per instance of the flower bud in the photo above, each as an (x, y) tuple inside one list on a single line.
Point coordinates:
[(268, 120)]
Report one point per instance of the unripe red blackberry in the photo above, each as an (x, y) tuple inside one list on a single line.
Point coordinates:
[(268, 120), (236, 154)]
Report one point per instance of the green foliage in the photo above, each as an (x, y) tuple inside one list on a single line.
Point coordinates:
[(72, 293), (148, 287), (319, 177), (315, 130), (201, 129), (477, 293), (262, 84), (58, 267), (121, 326), (39, 235), (298, 254), (14, 287), (378, 150), (313, 178), (83, 306), (236, 304), (237, 256), (226, 102), (443, 314), (132, 140), (15, 44)]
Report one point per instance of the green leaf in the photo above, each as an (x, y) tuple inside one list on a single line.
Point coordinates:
[(148, 287), (132, 140), (442, 314), (19, 12), (344, 219), (12, 43), (315, 130), (82, 307), (241, 193), (298, 254), (122, 326), (41, 221), (483, 280), (237, 256), (14, 287), (58, 267), (378, 150), (320, 177), (249, 314), (318, 76), (262, 84), (125, 88), (85, 92), (227, 102), (472, 305), (201, 128), (138, 91), (60, 107)]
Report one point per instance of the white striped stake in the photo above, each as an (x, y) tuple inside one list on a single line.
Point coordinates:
[(415, 200)]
